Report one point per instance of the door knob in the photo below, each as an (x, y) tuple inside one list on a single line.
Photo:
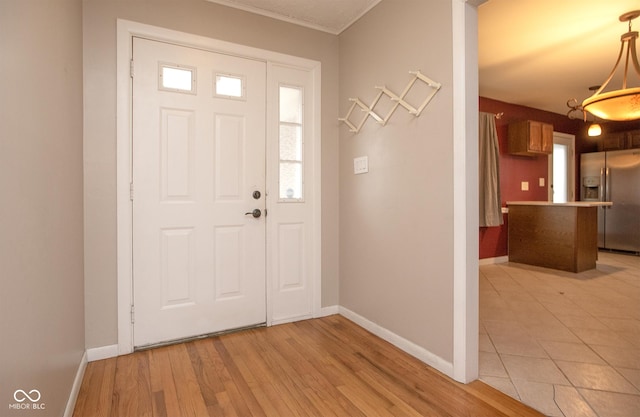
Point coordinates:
[(255, 213)]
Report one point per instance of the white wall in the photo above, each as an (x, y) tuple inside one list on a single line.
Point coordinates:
[(206, 19), (41, 234), (397, 223)]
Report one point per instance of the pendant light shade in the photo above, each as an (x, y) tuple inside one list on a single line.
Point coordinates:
[(616, 105), (622, 104), (594, 130)]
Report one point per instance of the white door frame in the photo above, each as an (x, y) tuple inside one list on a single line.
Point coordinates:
[(126, 30), (570, 141)]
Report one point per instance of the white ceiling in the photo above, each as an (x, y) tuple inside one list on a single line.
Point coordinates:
[(536, 53), (331, 16)]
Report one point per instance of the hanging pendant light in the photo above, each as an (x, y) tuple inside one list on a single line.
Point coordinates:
[(623, 104), (594, 130), (576, 109)]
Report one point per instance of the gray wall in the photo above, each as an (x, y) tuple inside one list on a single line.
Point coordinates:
[(206, 19), (41, 228), (396, 222)]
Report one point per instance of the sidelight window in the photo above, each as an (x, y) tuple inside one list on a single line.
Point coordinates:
[(291, 143)]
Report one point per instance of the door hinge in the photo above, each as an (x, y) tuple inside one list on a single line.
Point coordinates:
[(131, 68), (131, 191), (133, 314)]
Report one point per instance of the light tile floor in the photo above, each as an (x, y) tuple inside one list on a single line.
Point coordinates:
[(566, 344)]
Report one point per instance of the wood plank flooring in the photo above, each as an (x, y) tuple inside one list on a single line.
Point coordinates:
[(320, 367)]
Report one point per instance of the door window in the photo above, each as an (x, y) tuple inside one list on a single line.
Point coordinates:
[(177, 78), (561, 170), (229, 86), (559, 173)]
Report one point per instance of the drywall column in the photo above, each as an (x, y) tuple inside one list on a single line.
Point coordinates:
[(465, 173), (41, 214)]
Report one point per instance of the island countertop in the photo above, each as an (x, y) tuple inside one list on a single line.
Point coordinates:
[(567, 204)]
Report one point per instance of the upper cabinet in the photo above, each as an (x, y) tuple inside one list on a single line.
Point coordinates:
[(633, 139), (619, 140), (530, 138)]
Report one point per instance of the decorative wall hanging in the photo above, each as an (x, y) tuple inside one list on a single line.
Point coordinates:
[(398, 99)]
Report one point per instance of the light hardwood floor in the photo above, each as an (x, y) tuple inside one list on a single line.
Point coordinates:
[(321, 367)]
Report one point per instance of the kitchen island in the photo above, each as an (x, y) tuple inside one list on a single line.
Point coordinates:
[(554, 235)]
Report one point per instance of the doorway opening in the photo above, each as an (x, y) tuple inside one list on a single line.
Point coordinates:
[(293, 278), (562, 169)]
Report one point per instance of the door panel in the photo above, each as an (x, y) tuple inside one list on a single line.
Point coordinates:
[(228, 262), (177, 140), (198, 260), (177, 272), (229, 143)]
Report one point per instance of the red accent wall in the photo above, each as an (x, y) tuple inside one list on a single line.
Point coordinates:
[(515, 169)]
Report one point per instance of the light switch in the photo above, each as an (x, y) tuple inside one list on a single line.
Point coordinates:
[(361, 165), (541, 182), (524, 185)]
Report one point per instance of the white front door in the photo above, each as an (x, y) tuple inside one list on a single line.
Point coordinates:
[(198, 166)]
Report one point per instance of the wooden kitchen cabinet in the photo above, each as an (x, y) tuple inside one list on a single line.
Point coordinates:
[(633, 139), (617, 141), (612, 142), (530, 138)]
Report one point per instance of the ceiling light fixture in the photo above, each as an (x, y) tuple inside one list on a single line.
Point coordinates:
[(623, 104), (594, 130)]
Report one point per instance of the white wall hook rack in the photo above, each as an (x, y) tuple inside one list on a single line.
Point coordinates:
[(398, 99)]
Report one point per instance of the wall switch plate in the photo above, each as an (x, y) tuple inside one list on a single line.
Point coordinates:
[(524, 185), (361, 165), (541, 182)]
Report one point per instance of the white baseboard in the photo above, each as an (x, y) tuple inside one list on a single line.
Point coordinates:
[(409, 347), (75, 389), (324, 311), (329, 311), (491, 261), (103, 352)]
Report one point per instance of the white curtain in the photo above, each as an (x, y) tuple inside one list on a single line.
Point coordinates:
[(489, 175)]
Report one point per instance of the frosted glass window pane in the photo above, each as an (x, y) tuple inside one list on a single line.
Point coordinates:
[(177, 78), (291, 142), (290, 180), (227, 85), (290, 104)]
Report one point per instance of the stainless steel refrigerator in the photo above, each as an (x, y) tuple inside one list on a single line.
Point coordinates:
[(614, 176)]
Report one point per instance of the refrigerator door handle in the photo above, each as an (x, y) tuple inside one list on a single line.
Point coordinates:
[(601, 186), (607, 186)]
